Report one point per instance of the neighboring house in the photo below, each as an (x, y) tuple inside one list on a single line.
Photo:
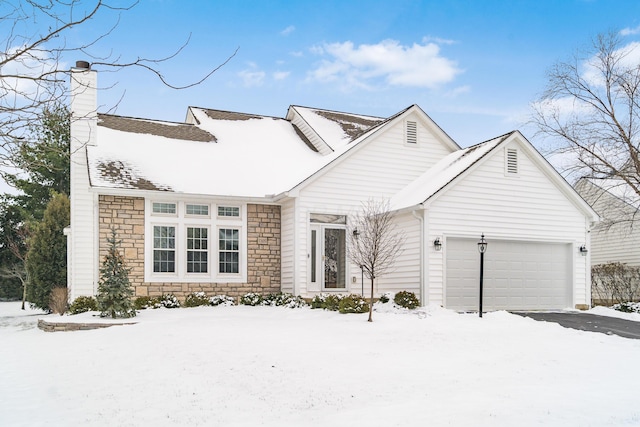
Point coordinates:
[(231, 203), (617, 237)]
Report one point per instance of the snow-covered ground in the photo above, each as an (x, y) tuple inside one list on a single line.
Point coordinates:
[(272, 366)]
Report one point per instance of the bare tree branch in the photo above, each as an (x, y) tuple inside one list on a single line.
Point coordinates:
[(373, 241), (590, 114), (36, 40)]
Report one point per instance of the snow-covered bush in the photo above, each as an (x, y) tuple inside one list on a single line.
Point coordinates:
[(284, 300), (82, 305), (406, 299), (251, 298), (169, 301), (628, 307), (196, 299), (142, 303), (327, 301), (222, 300), (353, 303), (386, 297)]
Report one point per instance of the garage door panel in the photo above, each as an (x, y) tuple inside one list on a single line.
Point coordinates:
[(517, 275)]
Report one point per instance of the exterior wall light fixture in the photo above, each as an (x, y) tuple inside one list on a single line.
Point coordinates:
[(437, 244)]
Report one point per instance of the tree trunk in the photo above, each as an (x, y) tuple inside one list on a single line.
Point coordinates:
[(24, 293), (371, 303)]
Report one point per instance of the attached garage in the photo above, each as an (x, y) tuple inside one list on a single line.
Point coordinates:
[(518, 275)]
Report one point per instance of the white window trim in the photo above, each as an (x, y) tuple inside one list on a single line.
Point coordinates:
[(181, 221)]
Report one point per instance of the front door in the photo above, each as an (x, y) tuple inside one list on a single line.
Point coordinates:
[(328, 257)]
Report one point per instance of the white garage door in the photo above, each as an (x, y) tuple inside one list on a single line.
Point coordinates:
[(517, 275)]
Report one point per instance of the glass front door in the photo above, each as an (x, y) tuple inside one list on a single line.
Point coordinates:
[(328, 257), (334, 258)]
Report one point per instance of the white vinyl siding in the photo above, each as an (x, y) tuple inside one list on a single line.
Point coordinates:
[(611, 241), (484, 202), (288, 245), (378, 170)]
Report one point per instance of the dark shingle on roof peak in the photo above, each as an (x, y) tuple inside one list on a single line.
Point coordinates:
[(353, 125), (183, 131), (229, 115)]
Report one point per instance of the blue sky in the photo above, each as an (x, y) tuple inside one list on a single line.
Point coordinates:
[(473, 66)]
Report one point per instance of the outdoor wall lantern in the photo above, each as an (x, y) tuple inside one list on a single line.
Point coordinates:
[(482, 248), (356, 233), (583, 250), (437, 244)]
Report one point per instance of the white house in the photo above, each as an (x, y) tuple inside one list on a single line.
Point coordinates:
[(615, 238), (231, 202)]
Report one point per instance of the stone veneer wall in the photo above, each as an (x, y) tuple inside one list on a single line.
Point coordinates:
[(126, 215)]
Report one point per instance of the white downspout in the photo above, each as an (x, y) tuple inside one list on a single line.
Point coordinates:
[(423, 290)]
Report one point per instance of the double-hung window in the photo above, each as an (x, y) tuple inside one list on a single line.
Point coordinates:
[(197, 250), (229, 250), (164, 249), (195, 242)]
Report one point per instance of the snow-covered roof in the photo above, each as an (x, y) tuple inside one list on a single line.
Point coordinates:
[(218, 153), (337, 129), (442, 173), (247, 156)]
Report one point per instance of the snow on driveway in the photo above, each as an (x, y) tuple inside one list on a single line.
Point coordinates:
[(272, 366)]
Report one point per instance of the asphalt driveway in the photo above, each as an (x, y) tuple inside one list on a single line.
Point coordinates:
[(589, 322)]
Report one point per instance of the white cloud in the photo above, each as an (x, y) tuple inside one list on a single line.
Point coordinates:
[(458, 91), (437, 40), (630, 31), (281, 75), (252, 76), (418, 65), (629, 56), (290, 29)]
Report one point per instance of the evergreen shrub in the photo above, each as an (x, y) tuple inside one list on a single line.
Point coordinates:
[(169, 301), (251, 298), (627, 307), (82, 305), (329, 302), (406, 299), (284, 300), (353, 303), (114, 289), (222, 300), (142, 303), (386, 297), (196, 299)]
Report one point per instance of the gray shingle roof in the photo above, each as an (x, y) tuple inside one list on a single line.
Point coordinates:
[(182, 131)]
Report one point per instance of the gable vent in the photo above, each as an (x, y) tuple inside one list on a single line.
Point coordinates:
[(512, 160), (412, 132)]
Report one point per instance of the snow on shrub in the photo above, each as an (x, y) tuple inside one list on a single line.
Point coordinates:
[(251, 298), (406, 299), (169, 301), (284, 300), (627, 307), (142, 303), (327, 301), (196, 299), (222, 300), (386, 297), (353, 303)]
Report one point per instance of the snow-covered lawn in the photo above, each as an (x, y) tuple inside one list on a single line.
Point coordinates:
[(272, 366)]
